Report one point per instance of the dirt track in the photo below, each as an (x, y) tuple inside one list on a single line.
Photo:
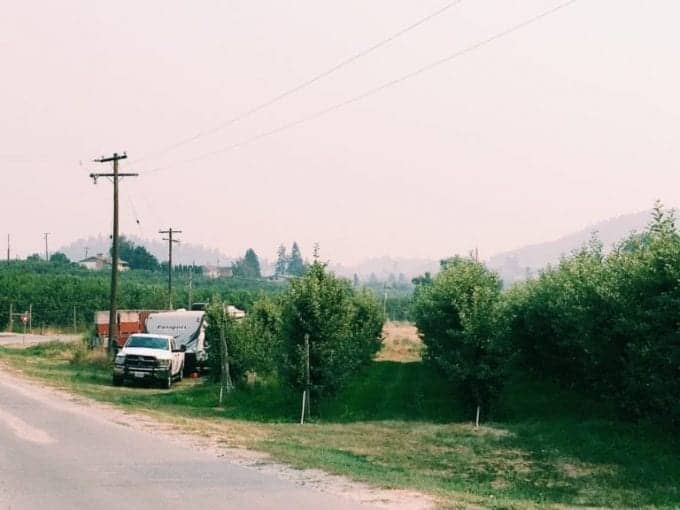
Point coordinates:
[(21, 340)]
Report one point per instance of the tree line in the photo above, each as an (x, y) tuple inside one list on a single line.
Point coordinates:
[(607, 324)]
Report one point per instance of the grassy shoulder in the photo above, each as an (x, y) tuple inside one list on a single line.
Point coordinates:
[(398, 426)]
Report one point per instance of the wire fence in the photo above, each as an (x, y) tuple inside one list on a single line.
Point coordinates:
[(22, 318)]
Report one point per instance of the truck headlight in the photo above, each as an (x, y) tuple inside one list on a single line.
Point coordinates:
[(163, 363), (120, 359)]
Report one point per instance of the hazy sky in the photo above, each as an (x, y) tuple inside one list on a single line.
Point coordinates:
[(568, 121)]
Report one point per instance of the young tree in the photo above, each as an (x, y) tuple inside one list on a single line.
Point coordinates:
[(296, 266), (344, 330), (456, 315), (252, 342), (281, 261)]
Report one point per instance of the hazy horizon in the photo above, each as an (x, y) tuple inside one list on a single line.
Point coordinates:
[(560, 125)]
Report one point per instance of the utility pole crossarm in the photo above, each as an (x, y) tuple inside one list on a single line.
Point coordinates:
[(115, 157), (118, 176)]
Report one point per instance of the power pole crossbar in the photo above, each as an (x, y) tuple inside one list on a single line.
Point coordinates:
[(116, 176)]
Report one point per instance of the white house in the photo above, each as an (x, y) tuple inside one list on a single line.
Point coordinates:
[(99, 262)]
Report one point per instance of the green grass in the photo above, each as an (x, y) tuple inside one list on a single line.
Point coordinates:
[(399, 426)]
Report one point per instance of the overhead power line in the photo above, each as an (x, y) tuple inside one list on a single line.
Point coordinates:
[(375, 90), (304, 84)]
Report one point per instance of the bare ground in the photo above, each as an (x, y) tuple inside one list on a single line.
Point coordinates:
[(20, 340)]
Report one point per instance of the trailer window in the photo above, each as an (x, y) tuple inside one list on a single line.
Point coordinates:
[(150, 342)]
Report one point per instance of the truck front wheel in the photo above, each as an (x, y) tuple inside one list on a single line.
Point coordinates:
[(117, 380), (167, 382)]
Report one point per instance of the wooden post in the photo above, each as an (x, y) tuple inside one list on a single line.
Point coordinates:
[(75, 325), (304, 403), (477, 418), (11, 316), (30, 318), (307, 376), (225, 376)]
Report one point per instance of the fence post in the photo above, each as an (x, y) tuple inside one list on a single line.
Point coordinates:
[(307, 376)]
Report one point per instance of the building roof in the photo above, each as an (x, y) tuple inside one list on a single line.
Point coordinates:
[(101, 258)]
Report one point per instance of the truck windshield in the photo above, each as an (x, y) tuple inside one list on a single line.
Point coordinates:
[(150, 342)]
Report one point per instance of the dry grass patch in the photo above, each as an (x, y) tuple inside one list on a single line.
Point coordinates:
[(400, 342)]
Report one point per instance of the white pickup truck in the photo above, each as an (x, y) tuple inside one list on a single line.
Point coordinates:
[(145, 356)]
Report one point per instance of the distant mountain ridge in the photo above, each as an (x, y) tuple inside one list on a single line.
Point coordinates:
[(518, 264), (513, 265)]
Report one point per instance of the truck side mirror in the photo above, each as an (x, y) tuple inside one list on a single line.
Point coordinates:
[(183, 348)]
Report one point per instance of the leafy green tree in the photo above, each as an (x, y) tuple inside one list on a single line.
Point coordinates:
[(296, 266), (136, 256), (456, 314), (281, 262), (59, 258), (248, 266), (344, 330)]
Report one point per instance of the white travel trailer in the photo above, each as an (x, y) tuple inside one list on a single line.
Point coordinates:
[(188, 329)]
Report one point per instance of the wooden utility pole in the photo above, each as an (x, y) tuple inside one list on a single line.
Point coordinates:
[(170, 239), (115, 176), (8, 248), (47, 257), (385, 300), (191, 276)]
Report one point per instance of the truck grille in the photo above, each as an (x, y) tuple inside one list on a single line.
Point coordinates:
[(134, 361)]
